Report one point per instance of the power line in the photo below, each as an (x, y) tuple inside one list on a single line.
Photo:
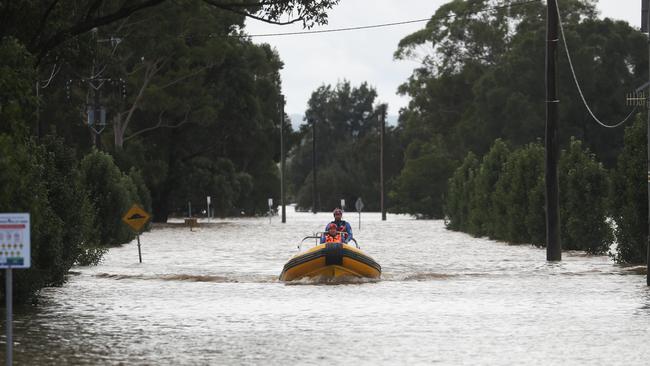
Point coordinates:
[(575, 79), (384, 24), (338, 29)]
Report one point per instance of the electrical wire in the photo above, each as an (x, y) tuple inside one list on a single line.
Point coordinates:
[(575, 79), (338, 29), (383, 24)]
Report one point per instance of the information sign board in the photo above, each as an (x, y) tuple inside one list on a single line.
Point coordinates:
[(15, 249)]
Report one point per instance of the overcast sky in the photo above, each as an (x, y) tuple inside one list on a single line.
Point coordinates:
[(312, 60)]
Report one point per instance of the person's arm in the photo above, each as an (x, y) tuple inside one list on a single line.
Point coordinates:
[(348, 228)]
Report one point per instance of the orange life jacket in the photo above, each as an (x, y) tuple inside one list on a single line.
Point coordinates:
[(332, 239)]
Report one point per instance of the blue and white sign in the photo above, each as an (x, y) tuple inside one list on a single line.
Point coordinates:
[(14, 240)]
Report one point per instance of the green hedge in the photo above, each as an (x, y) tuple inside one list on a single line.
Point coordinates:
[(629, 200), (503, 197), (43, 179)]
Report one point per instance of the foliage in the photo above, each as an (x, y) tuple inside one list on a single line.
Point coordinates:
[(112, 194), (629, 201), (24, 191), (63, 22), (421, 186), (461, 194), (503, 197), (483, 209), (584, 186), (44, 180), (517, 197), (347, 149), (16, 96), (481, 77)]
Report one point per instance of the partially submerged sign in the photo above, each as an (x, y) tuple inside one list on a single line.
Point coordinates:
[(15, 249), (136, 217), (359, 204)]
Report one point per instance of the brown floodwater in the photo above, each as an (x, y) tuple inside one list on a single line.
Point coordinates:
[(211, 296)]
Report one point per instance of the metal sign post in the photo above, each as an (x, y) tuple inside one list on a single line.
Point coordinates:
[(270, 209), (359, 206), (136, 218), (15, 252), (208, 198)]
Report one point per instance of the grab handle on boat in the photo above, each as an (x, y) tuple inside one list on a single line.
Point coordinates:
[(308, 237)]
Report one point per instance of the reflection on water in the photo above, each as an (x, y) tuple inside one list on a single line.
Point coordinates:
[(212, 296)]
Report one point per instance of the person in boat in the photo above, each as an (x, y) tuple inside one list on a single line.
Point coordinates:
[(332, 235), (342, 225)]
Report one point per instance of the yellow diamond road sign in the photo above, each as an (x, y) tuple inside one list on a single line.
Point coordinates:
[(136, 217)]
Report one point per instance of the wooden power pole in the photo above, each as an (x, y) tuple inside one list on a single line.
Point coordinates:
[(313, 165), (381, 161), (645, 25), (282, 202), (553, 244)]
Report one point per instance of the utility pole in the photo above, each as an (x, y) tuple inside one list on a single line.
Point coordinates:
[(284, 212), (313, 165), (381, 160), (553, 244), (97, 118), (645, 25)]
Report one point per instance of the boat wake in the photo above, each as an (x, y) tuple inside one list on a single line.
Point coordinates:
[(189, 278)]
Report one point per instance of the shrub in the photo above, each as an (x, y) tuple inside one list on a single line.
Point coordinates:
[(517, 196), (461, 190), (111, 194), (628, 197), (482, 215), (584, 186)]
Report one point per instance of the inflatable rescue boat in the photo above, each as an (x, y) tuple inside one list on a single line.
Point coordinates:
[(330, 260)]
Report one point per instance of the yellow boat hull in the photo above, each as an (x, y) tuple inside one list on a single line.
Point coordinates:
[(330, 260)]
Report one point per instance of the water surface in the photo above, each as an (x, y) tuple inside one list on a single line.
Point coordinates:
[(211, 296)]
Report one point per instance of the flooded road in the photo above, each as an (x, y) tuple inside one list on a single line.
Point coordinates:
[(211, 297)]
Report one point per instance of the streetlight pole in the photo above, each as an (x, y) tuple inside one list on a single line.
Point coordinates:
[(553, 244)]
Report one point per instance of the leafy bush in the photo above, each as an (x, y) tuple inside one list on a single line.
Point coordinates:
[(628, 197), (111, 193), (16, 88), (461, 192), (584, 185), (517, 197), (44, 180), (482, 208), (422, 184)]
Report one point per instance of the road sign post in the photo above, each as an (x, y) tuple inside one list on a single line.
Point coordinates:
[(359, 206), (208, 208), (136, 218), (15, 252)]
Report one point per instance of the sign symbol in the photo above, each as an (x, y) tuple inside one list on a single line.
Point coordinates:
[(136, 217)]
